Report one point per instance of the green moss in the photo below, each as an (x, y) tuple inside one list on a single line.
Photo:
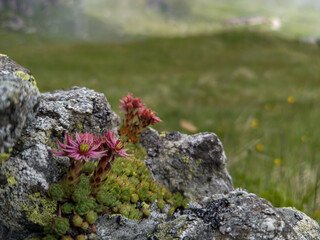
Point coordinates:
[(41, 210), (26, 77)]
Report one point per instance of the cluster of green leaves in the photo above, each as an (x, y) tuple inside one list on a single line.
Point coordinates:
[(81, 208), (128, 190)]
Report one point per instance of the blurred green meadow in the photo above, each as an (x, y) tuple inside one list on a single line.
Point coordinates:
[(258, 92)]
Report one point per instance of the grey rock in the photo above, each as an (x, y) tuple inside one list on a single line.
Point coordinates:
[(236, 215), (19, 97), (306, 227), (192, 164), (119, 227), (31, 168)]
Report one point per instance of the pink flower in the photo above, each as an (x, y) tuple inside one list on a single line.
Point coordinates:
[(86, 145), (147, 117), (115, 146), (129, 102)]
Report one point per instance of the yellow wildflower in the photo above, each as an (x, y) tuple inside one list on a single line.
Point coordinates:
[(259, 147), (303, 138), (267, 106), (291, 99), (277, 161), (255, 123)]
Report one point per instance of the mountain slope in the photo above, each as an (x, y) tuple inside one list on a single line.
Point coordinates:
[(117, 19)]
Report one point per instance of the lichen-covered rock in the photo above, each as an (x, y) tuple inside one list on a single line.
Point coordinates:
[(19, 97), (26, 175), (192, 164), (236, 215), (119, 227), (306, 227)]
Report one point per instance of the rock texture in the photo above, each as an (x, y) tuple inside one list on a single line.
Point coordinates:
[(192, 164), (236, 215), (119, 227), (19, 97), (26, 175)]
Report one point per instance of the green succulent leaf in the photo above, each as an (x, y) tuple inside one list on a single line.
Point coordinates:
[(61, 226)]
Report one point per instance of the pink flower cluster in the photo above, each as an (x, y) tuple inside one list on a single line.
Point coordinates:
[(137, 117), (129, 103), (88, 145)]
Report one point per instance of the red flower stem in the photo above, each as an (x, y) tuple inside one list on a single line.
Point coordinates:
[(75, 171), (103, 167), (59, 210)]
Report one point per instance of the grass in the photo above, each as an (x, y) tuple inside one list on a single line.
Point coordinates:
[(258, 92)]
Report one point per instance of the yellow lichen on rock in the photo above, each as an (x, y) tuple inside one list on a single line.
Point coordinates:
[(26, 77), (170, 230), (3, 55), (163, 134), (11, 179), (4, 157), (41, 210), (185, 159)]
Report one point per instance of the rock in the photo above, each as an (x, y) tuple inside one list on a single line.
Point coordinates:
[(192, 164), (119, 227), (306, 227), (31, 168), (19, 97), (236, 215)]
